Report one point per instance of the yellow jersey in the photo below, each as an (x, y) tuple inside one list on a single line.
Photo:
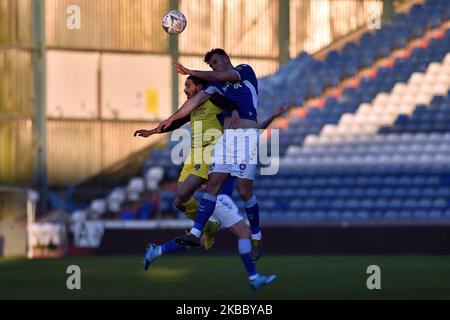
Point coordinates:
[(203, 119)]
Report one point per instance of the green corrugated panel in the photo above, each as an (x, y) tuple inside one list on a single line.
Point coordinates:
[(117, 25)]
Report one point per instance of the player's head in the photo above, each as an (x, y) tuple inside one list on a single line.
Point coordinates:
[(218, 60), (193, 85)]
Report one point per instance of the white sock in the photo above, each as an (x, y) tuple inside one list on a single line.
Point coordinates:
[(253, 277), (257, 236), (196, 232)]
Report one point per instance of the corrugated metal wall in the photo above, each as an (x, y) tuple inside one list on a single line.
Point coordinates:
[(317, 23), (119, 25), (16, 91), (16, 82), (253, 32), (77, 149), (16, 150), (15, 22)]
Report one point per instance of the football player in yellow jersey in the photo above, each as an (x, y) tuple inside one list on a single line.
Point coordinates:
[(206, 128)]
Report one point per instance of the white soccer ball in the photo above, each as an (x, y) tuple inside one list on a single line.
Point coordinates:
[(174, 22)]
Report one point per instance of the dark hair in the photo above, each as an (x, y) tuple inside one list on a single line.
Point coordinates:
[(218, 51), (197, 80)]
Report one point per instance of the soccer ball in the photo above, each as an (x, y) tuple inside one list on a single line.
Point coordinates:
[(174, 22)]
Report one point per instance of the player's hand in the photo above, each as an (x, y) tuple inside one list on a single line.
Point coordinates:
[(164, 125), (144, 133), (234, 123), (279, 111), (181, 69)]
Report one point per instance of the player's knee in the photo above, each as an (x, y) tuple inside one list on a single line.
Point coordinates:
[(212, 187), (246, 193), (241, 230), (181, 197), (179, 203), (244, 233)]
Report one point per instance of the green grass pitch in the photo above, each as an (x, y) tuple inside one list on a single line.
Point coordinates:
[(223, 277)]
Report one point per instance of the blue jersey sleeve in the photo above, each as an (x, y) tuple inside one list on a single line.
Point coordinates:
[(245, 72), (212, 87)]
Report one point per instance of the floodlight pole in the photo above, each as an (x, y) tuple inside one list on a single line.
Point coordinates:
[(283, 31), (174, 54), (388, 10), (39, 104)]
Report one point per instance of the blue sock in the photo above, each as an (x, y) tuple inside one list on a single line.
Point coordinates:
[(171, 246), (245, 247), (205, 210), (252, 210)]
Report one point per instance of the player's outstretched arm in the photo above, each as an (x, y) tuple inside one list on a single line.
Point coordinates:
[(145, 133), (185, 110), (177, 124), (278, 112), (174, 126), (230, 75)]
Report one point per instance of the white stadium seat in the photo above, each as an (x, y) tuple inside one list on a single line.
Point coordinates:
[(416, 78), (118, 194), (78, 216), (136, 184), (434, 68), (98, 205), (155, 173), (114, 205), (133, 196)]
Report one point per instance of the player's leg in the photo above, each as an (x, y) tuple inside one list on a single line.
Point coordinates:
[(192, 177), (184, 199), (154, 251), (225, 212), (219, 172), (245, 188), (205, 209), (220, 215), (244, 244), (228, 214), (245, 171), (209, 199)]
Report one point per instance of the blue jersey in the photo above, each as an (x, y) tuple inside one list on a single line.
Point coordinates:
[(228, 187), (244, 93)]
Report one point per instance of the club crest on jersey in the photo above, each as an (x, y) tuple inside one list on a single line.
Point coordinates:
[(225, 87), (197, 167)]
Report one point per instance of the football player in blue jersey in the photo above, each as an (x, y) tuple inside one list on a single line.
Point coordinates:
[(240, 85)]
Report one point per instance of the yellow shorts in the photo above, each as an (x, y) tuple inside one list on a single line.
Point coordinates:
[(199, 167)]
